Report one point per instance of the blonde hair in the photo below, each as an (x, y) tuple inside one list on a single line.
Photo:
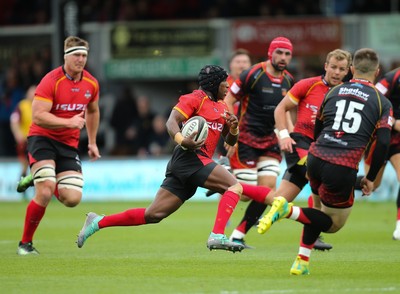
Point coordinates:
[(73, 41), (339, 55)]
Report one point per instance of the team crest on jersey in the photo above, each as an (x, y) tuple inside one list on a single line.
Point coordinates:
[(216, 109), (88, 95), (339, 134)]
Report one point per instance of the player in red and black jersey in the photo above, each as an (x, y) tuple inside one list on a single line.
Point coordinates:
[(65, 101), (192, 168), (259, 90), (349, 117), (389, 86), (306, 95)]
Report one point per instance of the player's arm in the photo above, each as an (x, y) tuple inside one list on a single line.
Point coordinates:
[(283, 122), (380, 152), (173, 124), (92, 126), (15, 120), (230, 100), (231, 129), (42, 116), (378, 158)]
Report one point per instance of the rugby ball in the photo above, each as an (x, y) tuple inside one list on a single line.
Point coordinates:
[(195, 124)]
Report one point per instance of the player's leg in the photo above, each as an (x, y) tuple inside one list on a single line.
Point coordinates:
[(319, 244), (335, 184), (395, 161), (268, 169), (164, 204), (44, 177), (225, 183)]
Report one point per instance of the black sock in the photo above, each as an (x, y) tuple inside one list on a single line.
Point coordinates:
[(318, 219), (253, 213)]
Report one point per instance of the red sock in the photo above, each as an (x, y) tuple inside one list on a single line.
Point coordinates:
[(226, 207), (130, 217), (242, 227), (257, 193), (398, 213), (34, 214), (310, 201), (56, 192)]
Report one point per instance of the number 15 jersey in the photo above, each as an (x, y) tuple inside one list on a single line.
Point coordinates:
[(351, 113)]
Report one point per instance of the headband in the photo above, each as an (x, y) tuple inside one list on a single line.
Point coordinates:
[(76, 49), (279, 42)]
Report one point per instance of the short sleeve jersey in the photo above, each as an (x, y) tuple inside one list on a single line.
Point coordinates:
[(198, 103), (24, 113), (351, 113), (307, 94), (259, 93), (68, 98), (389, 86)]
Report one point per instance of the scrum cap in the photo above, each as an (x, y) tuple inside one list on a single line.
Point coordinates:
[(279, 42), (210, 77)]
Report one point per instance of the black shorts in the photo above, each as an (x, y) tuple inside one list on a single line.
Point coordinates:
[(297, 161), (333, 183), (248, 156), (44, 148), (186, 172)]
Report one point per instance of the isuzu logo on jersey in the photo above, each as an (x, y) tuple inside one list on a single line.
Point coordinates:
[(70, 107), (215, 126)]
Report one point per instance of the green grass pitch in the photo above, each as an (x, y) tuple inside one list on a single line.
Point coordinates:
[(171, 257)]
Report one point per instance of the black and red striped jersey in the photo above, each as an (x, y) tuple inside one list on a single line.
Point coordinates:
[(389, 86), (259, 93), (350, 114)]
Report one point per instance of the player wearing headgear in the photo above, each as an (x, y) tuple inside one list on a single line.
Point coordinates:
[(65, 101), (192, 168), (259, 90)]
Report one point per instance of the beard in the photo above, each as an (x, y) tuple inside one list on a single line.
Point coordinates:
[(278, 67)]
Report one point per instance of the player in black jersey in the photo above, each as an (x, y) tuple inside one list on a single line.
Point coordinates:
[(259, 90), (389, 85), (349, 117)]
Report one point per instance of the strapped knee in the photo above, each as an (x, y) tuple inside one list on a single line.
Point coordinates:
[(246, 175), (74, 182), (268, 168), (45, 173)]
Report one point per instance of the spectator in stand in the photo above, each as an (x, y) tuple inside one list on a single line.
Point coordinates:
[(20, 121), (125, 110), (10, 95), (160, 142), (142, 126)]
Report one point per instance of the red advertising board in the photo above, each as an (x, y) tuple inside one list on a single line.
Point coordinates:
[(309, 37)]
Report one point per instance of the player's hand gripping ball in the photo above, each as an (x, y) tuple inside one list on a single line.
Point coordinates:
[(195, 124)]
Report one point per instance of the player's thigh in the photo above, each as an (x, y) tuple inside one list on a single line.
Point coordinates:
[(395, 161), (164, 204), (220, 179), (70, 187), (339, 216), (268, 170)]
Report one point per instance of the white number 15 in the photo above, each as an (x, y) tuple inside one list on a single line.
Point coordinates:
[(352, 119)]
